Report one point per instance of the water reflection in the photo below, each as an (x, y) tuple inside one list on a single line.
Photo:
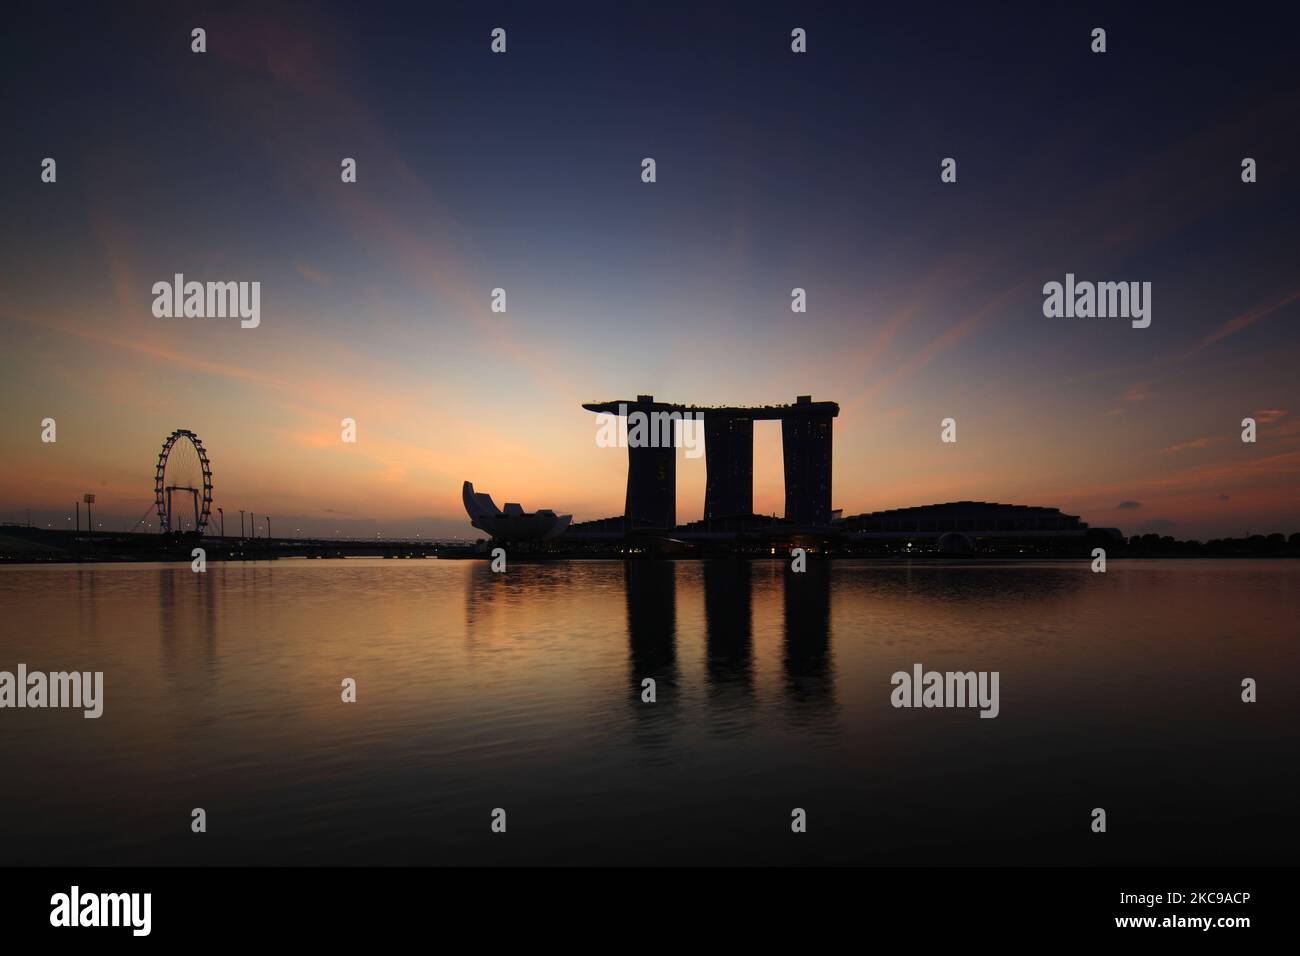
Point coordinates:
[(87, 601), (728, 615), (729, 647), (187, 626), (982, 585), (772, 692), (651, 588), (808, 661)]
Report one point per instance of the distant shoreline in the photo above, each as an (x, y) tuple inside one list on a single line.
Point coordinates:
[(880, 560), (38, 546)]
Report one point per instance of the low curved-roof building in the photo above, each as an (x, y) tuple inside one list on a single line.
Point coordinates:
[(511, 523), (971, 518)]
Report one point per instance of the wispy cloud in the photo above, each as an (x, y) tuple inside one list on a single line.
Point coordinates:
[(1138, 392), (1244, 321), (313, 275), (166, 356)]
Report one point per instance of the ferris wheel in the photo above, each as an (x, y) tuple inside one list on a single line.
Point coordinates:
[(183, 470)]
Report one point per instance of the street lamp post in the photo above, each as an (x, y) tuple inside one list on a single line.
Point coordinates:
[(221, 512)]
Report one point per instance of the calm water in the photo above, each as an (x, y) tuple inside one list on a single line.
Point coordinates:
[(522, 691)]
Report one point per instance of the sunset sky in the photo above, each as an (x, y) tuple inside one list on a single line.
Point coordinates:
[(775, 170)]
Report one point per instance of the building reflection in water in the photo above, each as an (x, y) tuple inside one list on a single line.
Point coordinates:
[(729, 649), (187, 625), (651, 588), (808, 660)]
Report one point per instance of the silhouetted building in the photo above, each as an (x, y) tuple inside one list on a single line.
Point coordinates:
[(652, 473), (511, 523), (806, 447), (729, 458), (964, 527), (984, 518), (730, 526)]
